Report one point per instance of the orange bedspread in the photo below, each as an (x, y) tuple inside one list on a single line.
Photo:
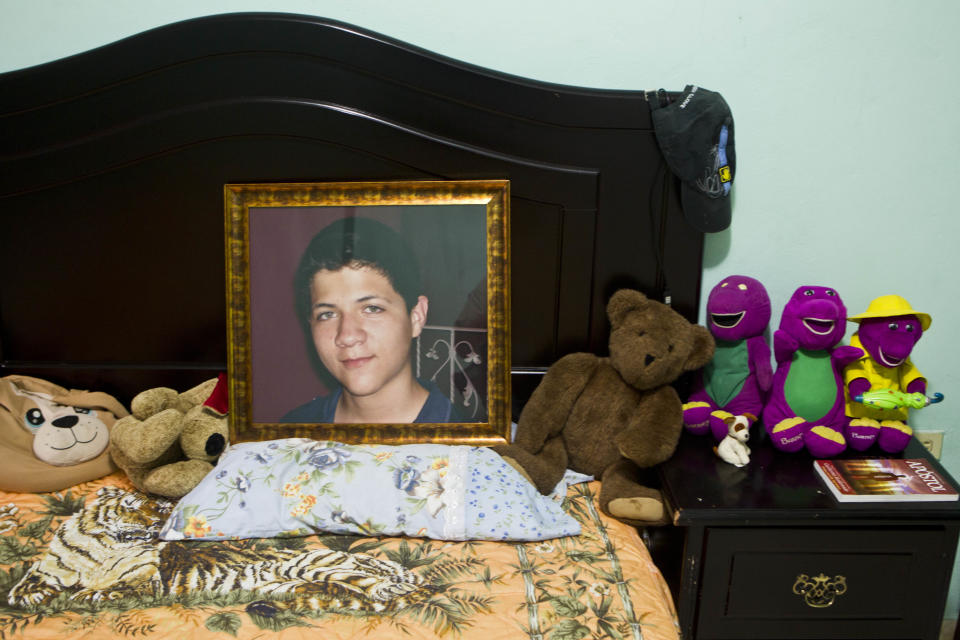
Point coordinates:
[(85, 563)]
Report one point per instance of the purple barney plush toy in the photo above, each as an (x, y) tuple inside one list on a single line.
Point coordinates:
[(806, 404), (736, 380), (889, 329)]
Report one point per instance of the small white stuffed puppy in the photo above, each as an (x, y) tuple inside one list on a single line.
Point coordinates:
[(733, 448)]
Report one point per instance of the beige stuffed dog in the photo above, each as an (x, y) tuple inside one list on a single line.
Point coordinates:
[(52, 438), (171, 440)]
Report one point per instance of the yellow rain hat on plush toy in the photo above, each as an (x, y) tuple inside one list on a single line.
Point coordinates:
[(889, 306)]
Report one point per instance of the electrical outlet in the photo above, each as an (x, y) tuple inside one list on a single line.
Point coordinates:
[(932, 440)]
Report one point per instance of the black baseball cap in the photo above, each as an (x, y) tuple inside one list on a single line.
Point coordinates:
[(695, 134)]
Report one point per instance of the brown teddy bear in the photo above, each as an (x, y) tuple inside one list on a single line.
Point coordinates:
[(171, 440), (610, 417)]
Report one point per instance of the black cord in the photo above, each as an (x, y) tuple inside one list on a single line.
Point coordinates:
[(658, 229)]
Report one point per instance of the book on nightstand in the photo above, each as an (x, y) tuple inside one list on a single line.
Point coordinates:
[(882, 480)]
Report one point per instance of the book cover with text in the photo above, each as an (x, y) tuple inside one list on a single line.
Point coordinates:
[(883, 480)]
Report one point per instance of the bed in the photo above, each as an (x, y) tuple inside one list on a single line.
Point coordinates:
[(601, 583), (112, 166)]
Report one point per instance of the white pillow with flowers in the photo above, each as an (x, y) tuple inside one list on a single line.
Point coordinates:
[(296, 487)]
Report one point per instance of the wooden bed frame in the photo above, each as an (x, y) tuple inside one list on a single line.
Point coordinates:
[(113, 161), (112, 172)]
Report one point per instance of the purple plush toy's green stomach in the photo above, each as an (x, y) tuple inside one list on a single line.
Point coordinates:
[(810, 388)]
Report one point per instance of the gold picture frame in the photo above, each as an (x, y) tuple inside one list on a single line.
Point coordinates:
[(459, 232)]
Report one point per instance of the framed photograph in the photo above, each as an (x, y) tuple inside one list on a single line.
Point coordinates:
[(369, 311)]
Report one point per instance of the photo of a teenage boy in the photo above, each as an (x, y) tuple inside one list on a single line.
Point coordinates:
[(360, 301)]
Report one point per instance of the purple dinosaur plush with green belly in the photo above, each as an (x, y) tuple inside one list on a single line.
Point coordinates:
[(736, 380), (806, 404), (889, 329)]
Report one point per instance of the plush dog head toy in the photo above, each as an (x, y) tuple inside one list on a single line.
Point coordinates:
[(51, 437)]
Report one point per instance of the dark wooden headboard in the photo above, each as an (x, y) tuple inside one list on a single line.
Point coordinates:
[(112, 166)]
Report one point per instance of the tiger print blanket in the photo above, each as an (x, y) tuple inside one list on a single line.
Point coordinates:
[(86, 563)]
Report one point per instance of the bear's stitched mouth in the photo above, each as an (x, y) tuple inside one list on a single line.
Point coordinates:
[(888, 360), (727, 320), (818, 326)]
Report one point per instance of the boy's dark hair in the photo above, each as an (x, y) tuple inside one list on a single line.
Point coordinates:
[(358, 242)]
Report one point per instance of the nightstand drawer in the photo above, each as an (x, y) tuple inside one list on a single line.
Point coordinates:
[(815, 583)]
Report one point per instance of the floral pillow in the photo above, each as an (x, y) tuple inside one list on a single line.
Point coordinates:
[(297, 487)]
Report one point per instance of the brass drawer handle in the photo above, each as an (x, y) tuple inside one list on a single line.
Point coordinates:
[(820, 591)]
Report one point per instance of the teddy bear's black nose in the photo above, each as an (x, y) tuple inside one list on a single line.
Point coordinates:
[(646, 361), (66, 422), (215, 445)]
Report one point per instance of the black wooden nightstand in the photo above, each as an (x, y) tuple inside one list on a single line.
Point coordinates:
[(768, 553)]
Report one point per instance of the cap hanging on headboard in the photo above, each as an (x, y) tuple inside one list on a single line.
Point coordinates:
[(695, 134)]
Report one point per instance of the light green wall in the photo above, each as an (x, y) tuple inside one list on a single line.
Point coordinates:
[(847, 130)]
